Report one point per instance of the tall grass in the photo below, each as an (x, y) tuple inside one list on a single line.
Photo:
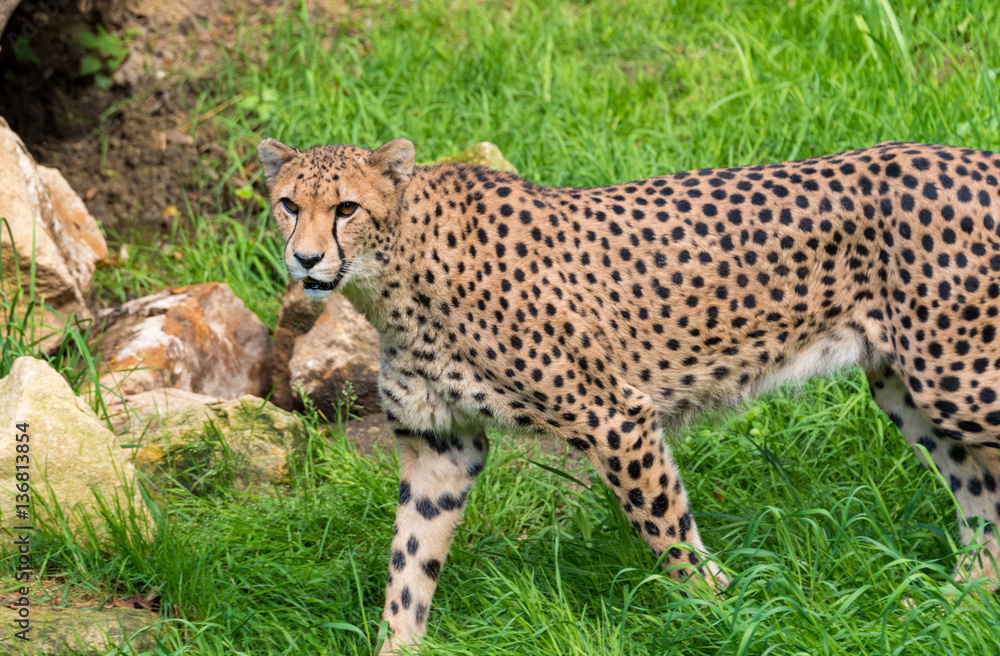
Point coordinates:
[(31, 327), (594, 93)]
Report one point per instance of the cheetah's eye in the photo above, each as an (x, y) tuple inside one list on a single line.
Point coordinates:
[(346, 209), (289, 206)]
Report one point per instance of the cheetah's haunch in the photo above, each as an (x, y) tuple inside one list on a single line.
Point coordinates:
[(603, 314)]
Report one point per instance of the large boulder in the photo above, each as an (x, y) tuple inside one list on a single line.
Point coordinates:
[(48, 220), (199, 338), (70, 451), (318, 348), (205, 443)]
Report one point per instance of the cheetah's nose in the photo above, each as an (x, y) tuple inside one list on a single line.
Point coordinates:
[(308, 261)]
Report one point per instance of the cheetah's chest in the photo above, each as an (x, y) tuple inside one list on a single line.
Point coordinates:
[(429, 391)]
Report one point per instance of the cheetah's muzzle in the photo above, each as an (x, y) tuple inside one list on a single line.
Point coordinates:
[(602, 315)]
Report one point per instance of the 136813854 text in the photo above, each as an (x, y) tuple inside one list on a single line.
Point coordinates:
[(22, 529)]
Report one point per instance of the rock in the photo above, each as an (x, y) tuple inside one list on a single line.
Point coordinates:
[(205, 443), (297, 316), (42, 210), (199, 338), (7, 8), (131, 72), (68, 446), (62, 631), (483, 153), (76, 232), (320, 347)]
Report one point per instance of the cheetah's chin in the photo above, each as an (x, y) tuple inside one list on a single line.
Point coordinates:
[(318, 294)]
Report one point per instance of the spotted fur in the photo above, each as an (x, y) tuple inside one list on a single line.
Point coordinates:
[(603, 315)]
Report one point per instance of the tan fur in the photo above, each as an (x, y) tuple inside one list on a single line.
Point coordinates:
[(602, 315)]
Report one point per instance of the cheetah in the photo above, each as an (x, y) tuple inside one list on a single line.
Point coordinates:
[(605, 315)]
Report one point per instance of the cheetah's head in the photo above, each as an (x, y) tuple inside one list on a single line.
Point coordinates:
[(333, 205)]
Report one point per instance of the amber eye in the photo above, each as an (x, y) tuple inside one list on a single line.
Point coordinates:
[(345, 210), (289, 206)]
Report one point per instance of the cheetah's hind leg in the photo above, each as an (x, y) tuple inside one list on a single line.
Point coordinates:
[(971, 469), (628, 450)]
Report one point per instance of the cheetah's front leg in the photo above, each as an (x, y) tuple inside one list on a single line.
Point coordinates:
[(436, 474)]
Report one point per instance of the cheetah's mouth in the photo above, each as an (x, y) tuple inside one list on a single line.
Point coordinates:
[(321, 285), (322, 288)]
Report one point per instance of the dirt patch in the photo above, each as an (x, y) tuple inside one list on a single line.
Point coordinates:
[(125, 148), (370, 434), (125, 136), (140, 174)]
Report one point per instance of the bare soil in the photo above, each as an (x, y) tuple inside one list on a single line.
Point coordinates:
[(131, 151), (67, 121)]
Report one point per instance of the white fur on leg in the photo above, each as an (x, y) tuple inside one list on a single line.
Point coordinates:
[(436, 474)]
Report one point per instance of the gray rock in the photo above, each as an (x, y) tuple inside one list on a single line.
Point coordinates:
[(205, 443), (319, 348), (64, 631)]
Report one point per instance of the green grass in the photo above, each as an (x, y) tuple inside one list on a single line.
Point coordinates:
[(31, 327), (238, 247), (595, 93), (837, 540)]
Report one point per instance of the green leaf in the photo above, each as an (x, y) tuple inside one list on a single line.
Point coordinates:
[(24, 53), (245, 192), (88, 40), (342, 626), (89, 65)]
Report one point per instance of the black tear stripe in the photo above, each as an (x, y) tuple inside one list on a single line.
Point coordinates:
[(294, 228), (340, 251), (342, 269)]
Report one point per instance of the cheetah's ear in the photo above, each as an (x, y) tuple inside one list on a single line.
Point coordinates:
[(272, 156), (395, 160)]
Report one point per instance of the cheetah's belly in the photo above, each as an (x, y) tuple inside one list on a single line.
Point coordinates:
[(829, 353)]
